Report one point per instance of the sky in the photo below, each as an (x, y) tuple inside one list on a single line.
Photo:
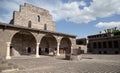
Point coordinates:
[(77, 17)]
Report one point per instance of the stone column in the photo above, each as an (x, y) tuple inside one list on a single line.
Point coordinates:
[(8, 51), (71, 50), (58, 44), (87, 41), (37, 50)]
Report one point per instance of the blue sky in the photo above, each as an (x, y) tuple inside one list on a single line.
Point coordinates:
[(77, 17)]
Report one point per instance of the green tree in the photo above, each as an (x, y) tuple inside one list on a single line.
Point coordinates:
[(114, 31)]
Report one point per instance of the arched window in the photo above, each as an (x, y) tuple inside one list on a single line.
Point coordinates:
[(29, 24), (38, 18), (45, 26)]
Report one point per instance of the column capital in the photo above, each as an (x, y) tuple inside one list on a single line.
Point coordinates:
[(58, 43), (37, 43), (58, 38), (8, 43)]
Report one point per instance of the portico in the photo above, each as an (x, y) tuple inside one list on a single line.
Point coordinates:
[(33, 35)]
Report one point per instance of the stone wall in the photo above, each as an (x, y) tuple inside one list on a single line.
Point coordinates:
[(27, 18), (33, 17), (83, 48), (8, 35), (105, 45), (5, 36), (73, 46)]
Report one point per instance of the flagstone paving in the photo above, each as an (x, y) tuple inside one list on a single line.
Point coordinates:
[(50, 64)]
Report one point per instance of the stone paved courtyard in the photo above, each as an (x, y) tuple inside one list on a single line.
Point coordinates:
[(50, 64)]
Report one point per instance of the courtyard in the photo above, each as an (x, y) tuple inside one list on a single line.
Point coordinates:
[(57, 64)]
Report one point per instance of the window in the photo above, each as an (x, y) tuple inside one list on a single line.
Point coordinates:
[(110, 44), (115, 44), (104, 45), (38, 18), (29, 24), (99, 45), (45, 27), (100, 52), (94, 45), (116, 52), (105, 52)]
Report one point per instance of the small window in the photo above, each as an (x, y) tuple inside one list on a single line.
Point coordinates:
[(110, 44), (116, 52), (38, 18), (115, 44), (45, 27), (105, 52), (104, 44), (99, 45), (29, 24), (100, 52), (94, 45)]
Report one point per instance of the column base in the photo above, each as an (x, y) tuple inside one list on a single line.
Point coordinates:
[(58, 54), (8, 57), (37, 56)]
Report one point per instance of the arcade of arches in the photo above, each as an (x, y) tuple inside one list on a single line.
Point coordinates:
[(25, 43)]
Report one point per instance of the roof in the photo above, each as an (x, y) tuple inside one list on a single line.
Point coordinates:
[(5, 25), (109, 37), (81, 39)]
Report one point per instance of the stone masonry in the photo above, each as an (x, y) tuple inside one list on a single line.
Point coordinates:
[(33, 17), (31, 31)]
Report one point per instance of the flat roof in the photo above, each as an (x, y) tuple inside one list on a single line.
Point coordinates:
[(5, 25)]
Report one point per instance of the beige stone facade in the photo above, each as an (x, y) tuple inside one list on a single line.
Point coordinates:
[(33, 17), (37, 37), (81, 45)]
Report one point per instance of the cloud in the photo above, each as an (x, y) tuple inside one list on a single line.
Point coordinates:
[(7, 8), (58, 9), (97, 9), (70, 11), (108, 24), (67, 11)]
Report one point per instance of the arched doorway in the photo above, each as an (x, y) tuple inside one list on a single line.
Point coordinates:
[(47, 45), (65, 46), (23, 43)]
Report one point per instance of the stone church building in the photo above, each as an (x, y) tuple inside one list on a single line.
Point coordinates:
[(32, 32)]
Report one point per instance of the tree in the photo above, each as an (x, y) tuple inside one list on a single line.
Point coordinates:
[(114, 31)]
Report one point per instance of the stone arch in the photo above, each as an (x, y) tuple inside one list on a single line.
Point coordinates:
[(23, 43), (13, 33), (65, 45), (48, 44), (58, 38)]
